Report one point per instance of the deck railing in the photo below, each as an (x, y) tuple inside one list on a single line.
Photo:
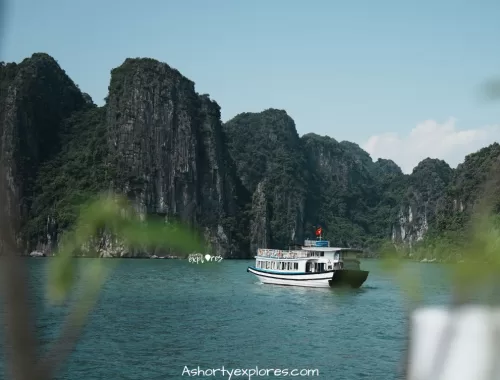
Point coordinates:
[(291, 254), (276, 253)]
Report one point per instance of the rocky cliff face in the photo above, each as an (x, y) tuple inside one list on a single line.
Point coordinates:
[(270, 163), (422, 200), (166, 144), (35, 97), (249, 183), (156, 140), (342, 190)]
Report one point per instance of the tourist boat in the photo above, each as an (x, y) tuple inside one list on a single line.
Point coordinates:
[(315, 264)]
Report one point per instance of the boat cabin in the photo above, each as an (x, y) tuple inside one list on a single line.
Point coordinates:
[(312, 258)]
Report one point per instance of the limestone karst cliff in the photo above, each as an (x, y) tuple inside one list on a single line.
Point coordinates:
[(156, 140), (167, 146), (36, 96), (250, 182), (270, 163)]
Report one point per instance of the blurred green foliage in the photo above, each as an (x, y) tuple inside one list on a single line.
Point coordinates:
[(115, 216)]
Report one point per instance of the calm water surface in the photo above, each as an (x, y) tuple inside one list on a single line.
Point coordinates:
[(155, 317)]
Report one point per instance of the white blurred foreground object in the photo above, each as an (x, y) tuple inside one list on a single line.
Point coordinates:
[(455, 344)]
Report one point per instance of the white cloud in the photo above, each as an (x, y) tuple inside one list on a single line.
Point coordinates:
[(431, 139)]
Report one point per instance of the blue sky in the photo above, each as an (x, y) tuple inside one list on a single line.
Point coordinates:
[(365, 71)]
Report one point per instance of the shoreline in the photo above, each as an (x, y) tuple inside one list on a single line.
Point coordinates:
[(422, 261)]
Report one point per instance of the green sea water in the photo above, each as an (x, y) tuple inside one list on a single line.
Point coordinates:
[(156, 319)]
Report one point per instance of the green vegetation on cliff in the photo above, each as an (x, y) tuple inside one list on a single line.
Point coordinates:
[(75, 175)]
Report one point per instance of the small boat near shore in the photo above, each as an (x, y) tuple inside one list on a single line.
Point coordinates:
[(315, 264)]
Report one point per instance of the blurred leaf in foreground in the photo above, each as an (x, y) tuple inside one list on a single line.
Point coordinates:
[(392, 263), (115, 216)]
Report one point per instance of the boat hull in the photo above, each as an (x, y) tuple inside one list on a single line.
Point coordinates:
[(329, 279)]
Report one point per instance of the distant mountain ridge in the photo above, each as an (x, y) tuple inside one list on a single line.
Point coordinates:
[(247, 183)]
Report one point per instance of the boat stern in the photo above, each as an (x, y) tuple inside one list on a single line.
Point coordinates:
[(349, 277)]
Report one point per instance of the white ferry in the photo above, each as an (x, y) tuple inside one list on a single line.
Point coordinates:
[(315, 264)]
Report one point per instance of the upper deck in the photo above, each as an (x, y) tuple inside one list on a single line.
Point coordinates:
[(311, 248)]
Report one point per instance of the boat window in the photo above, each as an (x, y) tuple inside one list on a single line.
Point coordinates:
[(295, 266)]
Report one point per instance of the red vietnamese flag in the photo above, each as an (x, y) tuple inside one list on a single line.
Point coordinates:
[(318, 231)]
